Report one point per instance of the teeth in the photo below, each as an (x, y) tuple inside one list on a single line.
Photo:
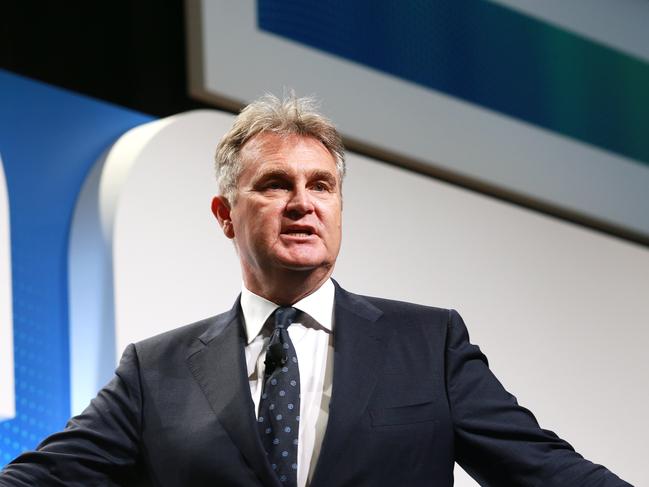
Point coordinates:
[(299, 234)]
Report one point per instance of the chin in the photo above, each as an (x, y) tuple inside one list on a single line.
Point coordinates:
[(300, 266), (304, 265)]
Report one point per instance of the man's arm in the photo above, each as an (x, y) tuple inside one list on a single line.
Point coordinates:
[(499, 442), (98, 447)]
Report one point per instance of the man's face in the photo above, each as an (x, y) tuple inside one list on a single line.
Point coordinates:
[(287, 215)]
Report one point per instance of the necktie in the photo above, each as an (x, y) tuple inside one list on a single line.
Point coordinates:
[(279, 408)]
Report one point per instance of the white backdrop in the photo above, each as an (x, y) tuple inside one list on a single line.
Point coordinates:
[(7, 392), (560, 311)]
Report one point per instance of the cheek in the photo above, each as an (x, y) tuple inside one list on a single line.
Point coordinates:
[(250, 218), (264, 224), (334, 231), (334, 218)]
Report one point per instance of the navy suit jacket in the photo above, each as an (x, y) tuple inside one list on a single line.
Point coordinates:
[(410, 397)]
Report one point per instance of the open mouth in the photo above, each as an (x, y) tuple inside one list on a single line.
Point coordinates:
[(298, 232)]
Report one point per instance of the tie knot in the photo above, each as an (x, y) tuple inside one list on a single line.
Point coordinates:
[(284, 316)]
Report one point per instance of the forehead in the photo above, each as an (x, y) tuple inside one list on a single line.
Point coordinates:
[(269, 151)]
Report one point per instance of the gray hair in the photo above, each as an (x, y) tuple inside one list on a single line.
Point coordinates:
[(290, 116)]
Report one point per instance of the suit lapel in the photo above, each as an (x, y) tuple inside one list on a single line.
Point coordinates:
[(359, 348), (218, 364)]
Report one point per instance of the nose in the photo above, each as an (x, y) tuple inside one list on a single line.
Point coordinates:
[(299, 203)]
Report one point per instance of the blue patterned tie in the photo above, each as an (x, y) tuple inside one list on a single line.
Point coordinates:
[(279, 408)]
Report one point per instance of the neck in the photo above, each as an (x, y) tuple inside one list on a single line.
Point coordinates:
[(287, 287)]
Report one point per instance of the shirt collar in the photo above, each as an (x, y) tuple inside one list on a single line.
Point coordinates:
[(256, 310)]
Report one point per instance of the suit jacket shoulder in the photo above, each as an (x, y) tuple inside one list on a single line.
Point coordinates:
[(397, 313)]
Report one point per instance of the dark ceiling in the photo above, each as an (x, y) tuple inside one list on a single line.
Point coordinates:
[(131, 53)]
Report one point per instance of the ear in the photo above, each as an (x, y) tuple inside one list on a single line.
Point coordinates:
[(221, 210)]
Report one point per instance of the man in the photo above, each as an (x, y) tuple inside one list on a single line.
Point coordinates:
[(301, 383)]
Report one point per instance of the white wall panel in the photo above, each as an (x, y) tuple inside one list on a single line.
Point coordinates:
[(7, 391)]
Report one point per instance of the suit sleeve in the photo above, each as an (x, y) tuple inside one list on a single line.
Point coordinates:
[(98, 447), (499, 442)]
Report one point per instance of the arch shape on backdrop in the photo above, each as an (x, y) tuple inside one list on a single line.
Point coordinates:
[(529, 286), (7, 391), (90, 281)]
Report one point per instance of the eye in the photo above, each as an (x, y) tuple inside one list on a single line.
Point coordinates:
[(274, 185), (320, 186)]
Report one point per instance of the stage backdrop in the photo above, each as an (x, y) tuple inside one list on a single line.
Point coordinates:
[(525, 100), (49, 140), (560, 310)]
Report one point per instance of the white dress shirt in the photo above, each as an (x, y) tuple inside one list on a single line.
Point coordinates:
[(312, 338)]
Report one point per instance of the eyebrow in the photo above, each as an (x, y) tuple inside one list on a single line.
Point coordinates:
[(324, 176), (272, 173), (281, 173)]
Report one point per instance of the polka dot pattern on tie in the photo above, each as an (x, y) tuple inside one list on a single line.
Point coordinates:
[(279, 408)]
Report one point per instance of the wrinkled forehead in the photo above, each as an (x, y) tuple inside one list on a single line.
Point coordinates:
[(268, 149), (272, 141)]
